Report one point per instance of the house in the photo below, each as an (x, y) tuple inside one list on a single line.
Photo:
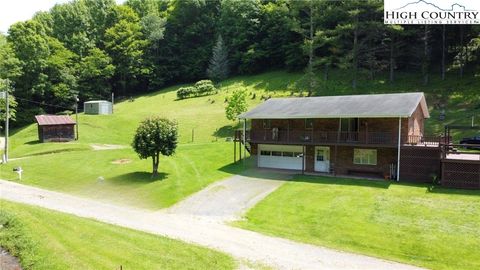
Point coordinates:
[(55, 128), (346, 135), (97, 107)]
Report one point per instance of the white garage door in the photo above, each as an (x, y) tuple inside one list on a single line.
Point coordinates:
[(280, 156)]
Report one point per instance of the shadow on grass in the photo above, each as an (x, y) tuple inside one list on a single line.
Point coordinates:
[(33, 142), (226, 131), (452, 191), (331, 180), (137, 178)]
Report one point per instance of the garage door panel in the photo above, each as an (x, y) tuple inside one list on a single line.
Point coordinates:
[(280, 157)]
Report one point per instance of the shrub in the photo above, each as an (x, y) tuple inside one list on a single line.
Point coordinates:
[(201, 88), (186, 92), (205, 87)]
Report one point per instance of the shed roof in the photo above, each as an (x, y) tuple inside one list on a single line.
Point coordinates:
[(372, 106), (96, 101), (51, 120)]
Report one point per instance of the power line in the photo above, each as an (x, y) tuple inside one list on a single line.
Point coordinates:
[(43, 104)]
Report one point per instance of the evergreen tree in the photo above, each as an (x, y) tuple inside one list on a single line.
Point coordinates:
[(218, 67)]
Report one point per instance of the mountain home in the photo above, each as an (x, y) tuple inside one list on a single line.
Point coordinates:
[(347, 135)]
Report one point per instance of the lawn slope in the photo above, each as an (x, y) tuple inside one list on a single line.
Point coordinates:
[(204, 157), (60, 241), (436, 228)]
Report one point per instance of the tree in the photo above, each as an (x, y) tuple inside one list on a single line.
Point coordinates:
[(95, 72), (236, 105), (218, 67), (153, 137), (5, 85), (126, 45)]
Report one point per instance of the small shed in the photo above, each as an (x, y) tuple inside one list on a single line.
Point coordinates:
[(97, 107), (55, 128)]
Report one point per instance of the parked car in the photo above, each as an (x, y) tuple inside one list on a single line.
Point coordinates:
[(472, 140)]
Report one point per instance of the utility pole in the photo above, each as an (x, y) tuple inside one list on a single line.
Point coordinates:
[(113, 99), (76, 116), (7, 123)]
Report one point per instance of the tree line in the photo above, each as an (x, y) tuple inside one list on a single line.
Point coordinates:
[(92, 48)]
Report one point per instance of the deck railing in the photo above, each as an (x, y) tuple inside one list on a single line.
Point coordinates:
[(318, 137)]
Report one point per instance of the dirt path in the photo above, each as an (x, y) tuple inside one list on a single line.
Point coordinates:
[(241, 244), (227, 200), (100, 147)]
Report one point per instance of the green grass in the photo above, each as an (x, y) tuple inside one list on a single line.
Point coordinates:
[(51, 240), (95, 173), (73, 167), (434, 228)]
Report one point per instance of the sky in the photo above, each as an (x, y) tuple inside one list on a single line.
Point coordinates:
[(12, 11)]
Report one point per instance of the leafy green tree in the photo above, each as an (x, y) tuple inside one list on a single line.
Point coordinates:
[(95, 72), (10, 66), (239, 25), (125, 43), (236, 105), (153, 137), (61, 79), (218, 68), (5, 85)]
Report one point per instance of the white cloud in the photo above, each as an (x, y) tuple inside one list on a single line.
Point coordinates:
[(12, 11)]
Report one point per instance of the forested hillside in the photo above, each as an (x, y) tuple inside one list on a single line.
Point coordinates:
[(92, 48)]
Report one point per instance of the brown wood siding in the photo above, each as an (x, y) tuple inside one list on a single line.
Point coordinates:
[(56, 133)]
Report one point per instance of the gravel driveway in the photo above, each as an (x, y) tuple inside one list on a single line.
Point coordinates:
[(241, 244), (228, 199)]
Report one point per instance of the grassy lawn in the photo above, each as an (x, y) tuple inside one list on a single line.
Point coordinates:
[(50, 240), (120, 176), (74, 167), (436, 228)]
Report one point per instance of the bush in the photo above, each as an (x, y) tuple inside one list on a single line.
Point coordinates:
[(186, 92), (201, 88), (205, 87)]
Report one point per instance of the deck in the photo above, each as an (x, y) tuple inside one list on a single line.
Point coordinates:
[(310, 137)]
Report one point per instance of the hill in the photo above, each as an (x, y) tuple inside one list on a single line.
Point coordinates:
[(117, 174)]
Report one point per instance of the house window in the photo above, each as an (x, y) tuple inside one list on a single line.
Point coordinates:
[(287, 154), (308, 123), (365, 156), (349, 124), (267, 123)]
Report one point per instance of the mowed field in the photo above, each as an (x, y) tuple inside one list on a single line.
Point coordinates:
[(433, 228), (430, 227), (48, 240), (119, 175)]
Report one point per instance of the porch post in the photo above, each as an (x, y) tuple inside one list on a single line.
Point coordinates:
[(303, 159), (244, 139), (399, 145)]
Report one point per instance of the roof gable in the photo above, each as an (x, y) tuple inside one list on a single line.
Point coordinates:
[(372, 106)]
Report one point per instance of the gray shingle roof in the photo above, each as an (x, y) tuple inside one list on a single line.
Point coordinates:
[(377, 105)]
